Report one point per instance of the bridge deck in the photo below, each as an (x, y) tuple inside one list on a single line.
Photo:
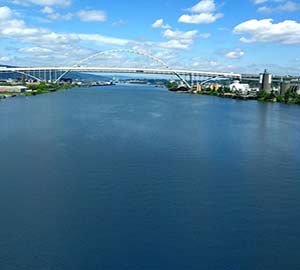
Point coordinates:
[(125, 70)]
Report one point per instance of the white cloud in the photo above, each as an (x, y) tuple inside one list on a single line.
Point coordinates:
[(269, 6), (289, 6), (160, 24), (62, 17), (204, 6), (206, 64), (41, 41), (100, 39), (259, 2), (119, 23), (5, 59), (178, 39), (175, 44), (170, 34), (286, 32), (46, 46), (5, 13), (83, 15), (53, 15), (48, 10), (61, 3), (202, 18), (35, 50), (235, 54), (201, 13), (205, 35), (92, 15)]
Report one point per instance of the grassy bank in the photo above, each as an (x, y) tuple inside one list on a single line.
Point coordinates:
[(288, 98), (44, 88)]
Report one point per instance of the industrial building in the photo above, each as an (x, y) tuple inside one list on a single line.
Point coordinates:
[(12, 89), (265, 80), (240, 87)]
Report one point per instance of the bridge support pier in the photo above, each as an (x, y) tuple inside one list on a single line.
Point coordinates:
[(44, 75), (191, 80)]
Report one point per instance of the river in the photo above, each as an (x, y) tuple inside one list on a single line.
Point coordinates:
[(139, 178)]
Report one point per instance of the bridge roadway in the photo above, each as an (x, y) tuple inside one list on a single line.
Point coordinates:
[(56, 73), (124, 70)]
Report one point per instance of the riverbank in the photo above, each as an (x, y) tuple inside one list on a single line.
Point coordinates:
[(288, 98), (36, 89), (45, 88)]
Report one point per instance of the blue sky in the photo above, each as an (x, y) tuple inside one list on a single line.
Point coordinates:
[(222, 35)]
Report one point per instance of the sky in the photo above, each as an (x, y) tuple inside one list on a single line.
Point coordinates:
[(245, 36)]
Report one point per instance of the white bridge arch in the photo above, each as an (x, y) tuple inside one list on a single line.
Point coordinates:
[(136, 52), (55, 74)]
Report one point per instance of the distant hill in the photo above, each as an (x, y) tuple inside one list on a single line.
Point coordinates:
[(7, 66)]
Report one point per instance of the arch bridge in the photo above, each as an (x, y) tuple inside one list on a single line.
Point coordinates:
[(55, 74)]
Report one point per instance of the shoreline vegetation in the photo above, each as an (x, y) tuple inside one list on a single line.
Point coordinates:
[(35, 89), (289, 97), (44, 88)]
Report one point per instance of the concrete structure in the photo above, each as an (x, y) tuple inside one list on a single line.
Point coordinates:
[(266, 82), (240, 87), (284, 87), (66, 81), (214, 86), (295, 88), (12, 89), (198, 88)]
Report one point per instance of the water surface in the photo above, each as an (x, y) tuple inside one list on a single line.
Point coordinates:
[(138, 178)]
